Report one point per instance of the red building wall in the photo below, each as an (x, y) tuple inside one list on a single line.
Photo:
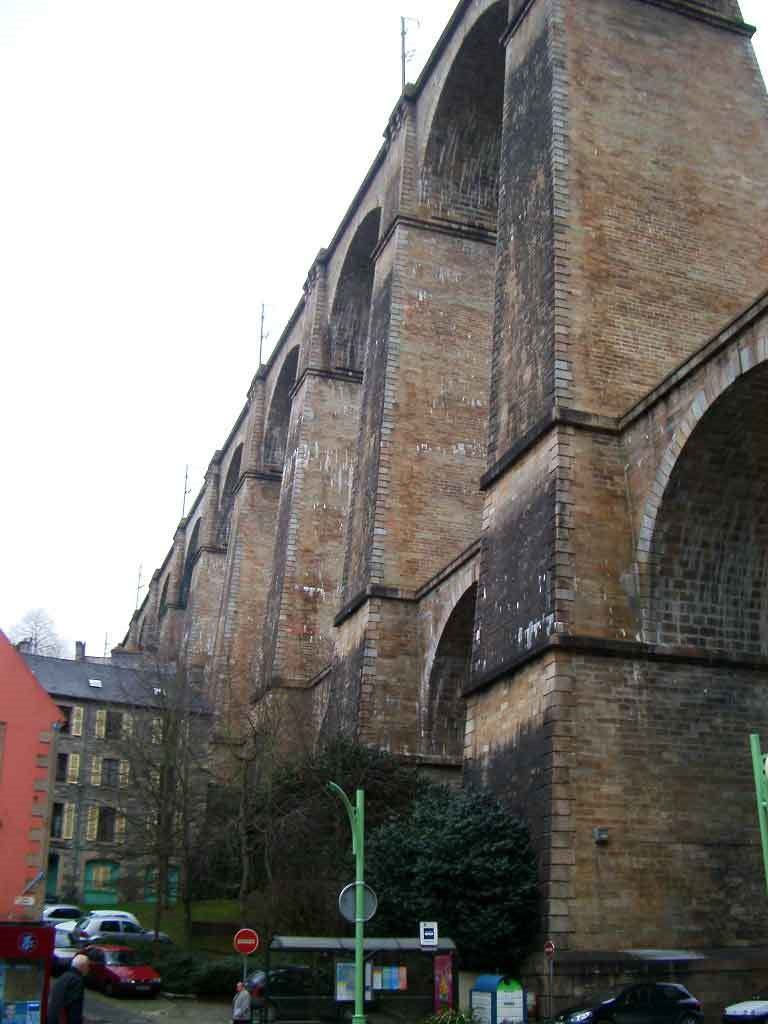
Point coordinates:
[(27, 716)]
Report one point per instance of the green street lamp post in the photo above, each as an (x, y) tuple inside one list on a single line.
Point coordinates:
[(761, 791), (356, 816)]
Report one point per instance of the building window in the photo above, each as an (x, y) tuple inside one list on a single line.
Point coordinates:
[(62, 820), (68, 768), (109, 725), (105, 830), (61, 767), (110, 771), (73, 720), (57, 820)]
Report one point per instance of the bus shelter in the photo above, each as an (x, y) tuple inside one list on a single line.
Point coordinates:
[(313, 978)]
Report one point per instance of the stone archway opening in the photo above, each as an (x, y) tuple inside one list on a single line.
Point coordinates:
[(444, 711), (352, 303), (460, 174), (709, 556), (279, 418), (227, 500), (189, 564)]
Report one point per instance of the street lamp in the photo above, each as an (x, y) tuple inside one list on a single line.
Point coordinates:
[(356, 817)]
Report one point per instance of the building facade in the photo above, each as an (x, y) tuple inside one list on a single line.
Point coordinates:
[(497, 501), (28, 723), (109, 758)]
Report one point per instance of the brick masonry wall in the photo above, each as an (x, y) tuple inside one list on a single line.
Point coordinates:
[(657, 753), (433, 431), (516, 594), (522, 379), (325, 411), (661, 241), (237, 649)]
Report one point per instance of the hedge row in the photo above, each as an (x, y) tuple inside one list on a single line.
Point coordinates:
[(194, 973)]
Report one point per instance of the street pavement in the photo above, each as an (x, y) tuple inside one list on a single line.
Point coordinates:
[(100, 1009)]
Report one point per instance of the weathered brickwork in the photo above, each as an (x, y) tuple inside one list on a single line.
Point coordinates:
[(497, 502)]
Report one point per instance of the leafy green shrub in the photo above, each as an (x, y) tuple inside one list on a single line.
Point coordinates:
[(193, 973), (451, 1017)]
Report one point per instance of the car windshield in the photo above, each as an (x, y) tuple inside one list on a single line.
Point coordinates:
[(123, 957)]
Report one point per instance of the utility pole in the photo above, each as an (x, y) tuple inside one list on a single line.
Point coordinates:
[(761, 791), (186, 491), (138, 588), (405, 55), (261, 334), (357, 824)]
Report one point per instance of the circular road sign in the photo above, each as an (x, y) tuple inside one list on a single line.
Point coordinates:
[(246, 941), (347, 901), (549, 948)]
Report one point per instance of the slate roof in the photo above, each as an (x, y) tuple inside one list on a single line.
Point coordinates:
[(67, 679)]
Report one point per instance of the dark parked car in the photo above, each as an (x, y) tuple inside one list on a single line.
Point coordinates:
[(119, 970), (297, 992), (65, 946), (750, 1011), (645, 1003)]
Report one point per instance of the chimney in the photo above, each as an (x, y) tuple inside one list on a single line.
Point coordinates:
[(79, 650)]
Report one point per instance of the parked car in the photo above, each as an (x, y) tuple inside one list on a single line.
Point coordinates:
[(297, 992), (126, 915), (114, 928), (750, 1011), (56, 912), (65, 946), (119, 970), (645, 1003)]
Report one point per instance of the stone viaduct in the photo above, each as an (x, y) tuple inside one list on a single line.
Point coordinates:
[(498, 502)]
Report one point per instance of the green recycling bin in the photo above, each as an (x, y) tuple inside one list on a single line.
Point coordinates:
[(496, 999)]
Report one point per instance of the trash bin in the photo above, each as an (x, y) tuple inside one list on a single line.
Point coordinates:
[(496, 999)]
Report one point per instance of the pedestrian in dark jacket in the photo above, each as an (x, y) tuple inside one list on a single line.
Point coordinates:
[(65, 1003)]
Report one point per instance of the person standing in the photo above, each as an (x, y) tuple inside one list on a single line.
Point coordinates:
[(241, 1004), (65, 1003)]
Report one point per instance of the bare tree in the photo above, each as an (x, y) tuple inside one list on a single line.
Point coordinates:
[(166, 748), (37, 630)]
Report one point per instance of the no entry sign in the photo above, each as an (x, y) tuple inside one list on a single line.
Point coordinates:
[(549, 948), (246, 941)]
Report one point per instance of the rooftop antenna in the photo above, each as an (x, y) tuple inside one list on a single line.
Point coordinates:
[(262, 336), (186, 491), (405, 55), (106, 644), (139, 586)]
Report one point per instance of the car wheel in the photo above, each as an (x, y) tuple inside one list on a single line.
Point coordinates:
[(269, 1013), (689, 1019)]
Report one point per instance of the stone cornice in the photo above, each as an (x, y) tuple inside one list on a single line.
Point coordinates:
[(458, 229), (626, 650), (687, 8)]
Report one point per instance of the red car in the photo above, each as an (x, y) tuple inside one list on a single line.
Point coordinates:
[(119, 970)]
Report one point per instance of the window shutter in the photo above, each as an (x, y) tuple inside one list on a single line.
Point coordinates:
[(68, 821), (157, 729), (95, 770), (127, 725), (124, 773), (73, 768), (76, 722), (120, 828), (92, 825), (101, 724)]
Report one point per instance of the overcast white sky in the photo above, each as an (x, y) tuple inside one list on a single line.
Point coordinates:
[(165, 167)]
